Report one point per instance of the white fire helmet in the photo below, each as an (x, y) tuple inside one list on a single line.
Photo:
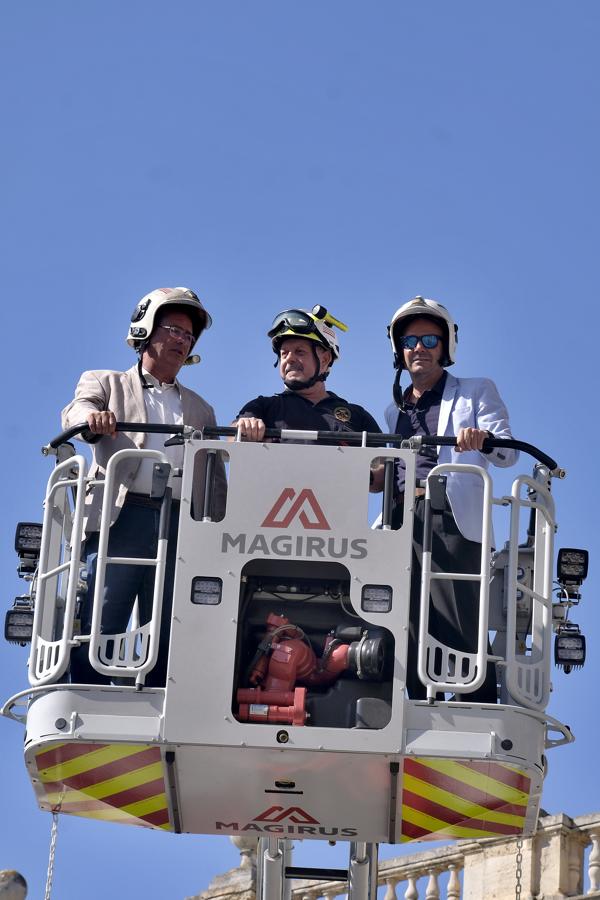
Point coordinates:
[(420, 307), (144, 315)]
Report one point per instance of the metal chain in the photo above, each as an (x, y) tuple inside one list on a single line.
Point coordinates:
[(519, 869), (53, 835)]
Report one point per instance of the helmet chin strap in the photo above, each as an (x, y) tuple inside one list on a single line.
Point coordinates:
[(303, 385), (397, 390)]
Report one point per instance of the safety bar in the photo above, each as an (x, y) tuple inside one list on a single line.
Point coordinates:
[(134, 652), (452, 663), (84, 430), (60, 554), (528, 675), (371, 439)]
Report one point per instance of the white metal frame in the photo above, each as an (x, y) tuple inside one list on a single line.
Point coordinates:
[(528, 674), (62, 538), (135, 651), (455, 661)]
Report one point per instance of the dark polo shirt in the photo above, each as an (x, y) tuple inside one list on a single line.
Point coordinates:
[(421, 417), (290, 410)]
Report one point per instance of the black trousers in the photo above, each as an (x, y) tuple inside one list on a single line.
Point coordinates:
[(134, 534), (453, 605)]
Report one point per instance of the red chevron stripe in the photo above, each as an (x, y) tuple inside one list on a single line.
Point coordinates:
[(158, 818), (414, 832), (79, 807), (512, 779), (512, 809), (64, 753), (113, 769), (452, 785), (86, 807), (450, 817), (135, 794), (51, 786)]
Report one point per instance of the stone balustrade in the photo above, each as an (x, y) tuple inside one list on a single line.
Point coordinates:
[(553, 864)]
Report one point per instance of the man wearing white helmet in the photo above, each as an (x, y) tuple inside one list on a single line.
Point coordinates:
[(164, 328), (423, 337), (306, 347)]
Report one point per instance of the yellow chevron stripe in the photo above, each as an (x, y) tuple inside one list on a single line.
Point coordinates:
[(466, 808), (436, 826), (124, 782), (139, 808), (64, 797), (100, 811), (87, 761), (107, 814), (478, 781), (144, 807)]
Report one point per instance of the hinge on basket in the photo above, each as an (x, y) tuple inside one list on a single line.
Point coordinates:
[(160, 478), (437, 493)]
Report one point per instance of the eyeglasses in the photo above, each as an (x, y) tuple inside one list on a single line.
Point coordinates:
[(410, 341), (295, 319), (179, 333)]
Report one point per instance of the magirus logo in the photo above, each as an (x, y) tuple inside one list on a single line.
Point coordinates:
[(293, 820), (303, 506), (293, 813)]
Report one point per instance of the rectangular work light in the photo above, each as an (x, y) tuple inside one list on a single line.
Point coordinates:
[(18, 623), (28, 540), (572, 566), (207, 591), (376, 598), (569, 647)]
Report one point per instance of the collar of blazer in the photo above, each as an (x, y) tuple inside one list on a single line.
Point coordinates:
[(188, 398), (450, 390), (137, 394)]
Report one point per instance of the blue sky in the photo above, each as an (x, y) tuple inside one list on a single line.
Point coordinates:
[(272, 154)]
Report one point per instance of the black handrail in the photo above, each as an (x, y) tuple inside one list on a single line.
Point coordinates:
[(84, 430), (372, 439)]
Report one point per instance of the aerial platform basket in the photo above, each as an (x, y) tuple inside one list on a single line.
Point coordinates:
[(284, 712)]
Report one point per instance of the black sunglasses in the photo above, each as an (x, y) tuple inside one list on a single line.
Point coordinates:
[(429, 341)]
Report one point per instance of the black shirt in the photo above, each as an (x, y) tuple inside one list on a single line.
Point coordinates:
[(290, 410), (421, 417)]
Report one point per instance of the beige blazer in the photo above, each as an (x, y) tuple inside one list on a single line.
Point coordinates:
[(122, 393)]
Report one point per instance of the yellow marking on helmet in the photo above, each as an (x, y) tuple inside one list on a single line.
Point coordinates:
[(331, 320)]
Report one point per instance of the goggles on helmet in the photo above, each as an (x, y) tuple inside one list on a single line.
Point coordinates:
[(297, 320)]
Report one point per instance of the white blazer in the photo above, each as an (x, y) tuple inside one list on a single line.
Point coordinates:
[(468, 403)]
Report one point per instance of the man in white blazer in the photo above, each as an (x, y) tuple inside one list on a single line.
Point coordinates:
[(424, 337), (164, 327)]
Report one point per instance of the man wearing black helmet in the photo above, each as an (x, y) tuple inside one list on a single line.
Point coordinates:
[(306, 347), (164, 328), (424, 337)]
